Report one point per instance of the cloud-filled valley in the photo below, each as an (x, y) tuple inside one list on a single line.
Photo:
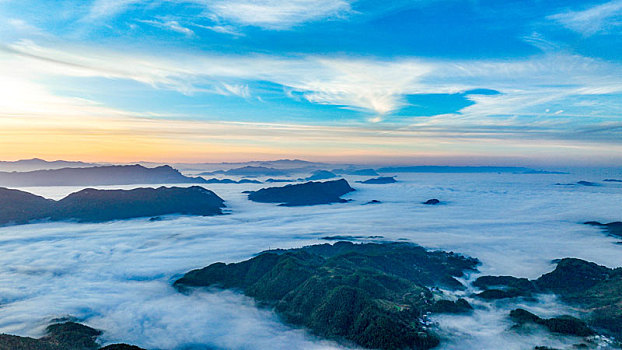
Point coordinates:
[(117, 276)]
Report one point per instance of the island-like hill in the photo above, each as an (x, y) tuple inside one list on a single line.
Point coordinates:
[(564, 324), (594, 289), (375, 295), (90, 205), (61, 336), (97, 176), (19, 207), (613, 228), (380, 180), (310, 193), (321, 175)]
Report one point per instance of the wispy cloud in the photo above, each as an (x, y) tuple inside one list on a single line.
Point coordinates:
[(169, 25), (109, 8), (600, 18), (33, 119), (219, 28), (236, 89), (267, 14), (277, 14), (370, 85)]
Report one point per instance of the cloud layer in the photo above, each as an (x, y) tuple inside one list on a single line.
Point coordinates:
[(117, 276)]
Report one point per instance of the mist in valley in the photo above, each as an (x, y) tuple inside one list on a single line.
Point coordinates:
[(117, 276)]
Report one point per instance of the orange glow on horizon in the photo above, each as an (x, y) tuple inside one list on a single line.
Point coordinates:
[(123, 139)]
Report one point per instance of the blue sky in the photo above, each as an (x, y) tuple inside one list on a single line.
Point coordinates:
[(409, 80)]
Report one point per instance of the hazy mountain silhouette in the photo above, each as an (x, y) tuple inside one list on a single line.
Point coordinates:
[(453, 169), (97, 176), (249, 171), (40, 164), (321, 175)]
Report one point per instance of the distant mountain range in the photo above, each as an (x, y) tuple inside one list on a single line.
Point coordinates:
[(97, 176), (251, 171), (40, 164), (278, 168), (282, 164), (90, 205), (455, 169)]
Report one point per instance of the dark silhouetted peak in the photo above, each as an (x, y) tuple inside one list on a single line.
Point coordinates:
[(451, 307), (91, 205), (72, 335), (61, 336), (102, 205), (321, 175), (121, 347), (573, 275), (310, 193), (587, 183), (613, 228), (562, 324), (19, 207), (380, 180)]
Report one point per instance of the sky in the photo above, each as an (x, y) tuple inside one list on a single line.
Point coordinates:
[(419, 81)]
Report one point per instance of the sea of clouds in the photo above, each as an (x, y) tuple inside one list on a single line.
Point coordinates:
[(117, 276)]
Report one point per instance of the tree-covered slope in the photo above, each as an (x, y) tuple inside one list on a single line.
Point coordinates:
[(372, 294), (594, 289), (61, 336), (91, 205)]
